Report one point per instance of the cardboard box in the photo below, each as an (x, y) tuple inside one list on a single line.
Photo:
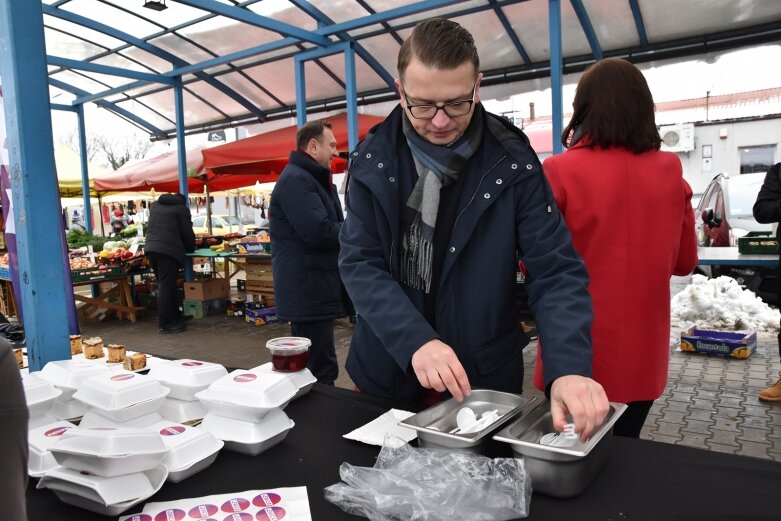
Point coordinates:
[(737, 344), (206, 289), (201, 308), (260, 316)]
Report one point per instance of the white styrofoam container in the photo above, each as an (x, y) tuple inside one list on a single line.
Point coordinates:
[(249, 437), (92, 419), (248, 394), (68, 374), (119, 390), (187, 377), (107, 496), (39, 393), (109, 451), (40, 421), (68, 409), (304, 379), (190, 450), (40, 440), (181, 411)]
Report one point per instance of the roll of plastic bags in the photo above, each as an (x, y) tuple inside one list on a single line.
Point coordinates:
[(408, 483)]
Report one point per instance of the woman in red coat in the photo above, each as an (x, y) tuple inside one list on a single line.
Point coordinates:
[(629, 211)]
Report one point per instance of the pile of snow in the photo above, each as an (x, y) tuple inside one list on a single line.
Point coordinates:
[(721, 303)]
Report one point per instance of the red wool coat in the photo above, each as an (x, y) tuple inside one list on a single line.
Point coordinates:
[(632, 222)]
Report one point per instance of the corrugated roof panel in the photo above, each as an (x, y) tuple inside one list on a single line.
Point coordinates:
[(81, 81), (66, 46), (163, 102), (108, 15), (442, 12), (666, 19), (181, 48), (244, 86), (98, 38), (494, 46), (123, 62), (155, 63), (365, 77), (613, 23), (139, 109), (175, 15), (385, 50), (223, 103), (284, 11)]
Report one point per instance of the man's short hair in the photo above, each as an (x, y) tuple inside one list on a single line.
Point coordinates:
[(438, 43), (311, 130)]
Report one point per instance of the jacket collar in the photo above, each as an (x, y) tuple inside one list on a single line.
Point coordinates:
[(304, 161)]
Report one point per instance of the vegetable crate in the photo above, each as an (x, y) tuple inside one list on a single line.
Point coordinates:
[(737, 344), (758, 243), (95, 273)]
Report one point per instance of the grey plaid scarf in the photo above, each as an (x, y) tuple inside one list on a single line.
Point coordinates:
[(437, 166)]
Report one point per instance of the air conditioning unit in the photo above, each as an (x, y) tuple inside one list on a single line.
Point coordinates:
[(677, 138)]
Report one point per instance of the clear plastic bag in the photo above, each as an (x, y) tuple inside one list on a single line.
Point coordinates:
[(433, 485)]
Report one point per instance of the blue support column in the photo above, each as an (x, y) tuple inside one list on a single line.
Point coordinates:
[(300, 92), (181, 155), (35, 195), (83, 154), (556, 79), (350, 91)]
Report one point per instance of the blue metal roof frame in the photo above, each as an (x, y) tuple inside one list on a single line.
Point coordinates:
[(361, 21)]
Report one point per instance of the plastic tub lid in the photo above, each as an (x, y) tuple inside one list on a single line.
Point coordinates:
[(252, 388), (289, 344), (70, 373), (38, 390), (186, 445), (110, 441), (118, 390), (189, 373)]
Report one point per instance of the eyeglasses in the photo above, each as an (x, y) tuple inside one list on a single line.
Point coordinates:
[(453, 109)]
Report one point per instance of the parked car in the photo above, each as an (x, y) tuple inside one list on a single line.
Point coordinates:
[(221, 225), (723, 215)]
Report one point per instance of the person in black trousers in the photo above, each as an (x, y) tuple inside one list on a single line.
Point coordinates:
[(13, 437), (169, 236), (305, 219), (767, 209)]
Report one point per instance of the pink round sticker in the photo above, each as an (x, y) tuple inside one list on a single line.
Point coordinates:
[(236, 504), (241, 516), (173, 430), (202, 511), (57, 431), (171, 514), (246, 377), (139, 517), (266, 499), (270, 514), (191, 363), (119, 377)]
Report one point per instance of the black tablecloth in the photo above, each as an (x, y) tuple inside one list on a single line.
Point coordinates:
[(642, 480)]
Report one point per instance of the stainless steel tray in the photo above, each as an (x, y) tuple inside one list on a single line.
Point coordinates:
[(559, 471), (434, 425)]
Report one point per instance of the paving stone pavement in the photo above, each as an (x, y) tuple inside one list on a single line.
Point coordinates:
[(710, 402)]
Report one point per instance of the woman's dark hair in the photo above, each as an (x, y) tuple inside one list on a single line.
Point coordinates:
[(613, 107), (438, 43)]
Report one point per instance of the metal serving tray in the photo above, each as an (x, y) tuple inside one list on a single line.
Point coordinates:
[(434, 425), (559, 471)]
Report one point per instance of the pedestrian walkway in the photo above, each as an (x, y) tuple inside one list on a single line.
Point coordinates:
[(709, 403)]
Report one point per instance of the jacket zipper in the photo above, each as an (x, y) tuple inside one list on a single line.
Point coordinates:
[(478, 189)]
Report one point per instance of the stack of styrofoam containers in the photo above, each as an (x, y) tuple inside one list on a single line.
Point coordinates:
[(304, 379), (67, 376), (44, 429), (190, 450), (185, 378), (245, 409), (107, 470), (121, 399)]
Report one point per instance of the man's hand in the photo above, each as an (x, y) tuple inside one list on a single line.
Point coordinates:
[(437, 367), (583, 399)]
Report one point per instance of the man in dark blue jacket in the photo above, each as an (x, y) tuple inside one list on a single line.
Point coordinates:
[(443, 199), (305, 218)]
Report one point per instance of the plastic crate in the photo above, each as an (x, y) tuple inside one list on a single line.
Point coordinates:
[(5, 273), (758, 243), (252, 247), (95, 273), (201, 308)]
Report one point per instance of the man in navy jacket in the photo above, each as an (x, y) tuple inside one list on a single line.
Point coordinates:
[(443, 199), (305, 218)]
